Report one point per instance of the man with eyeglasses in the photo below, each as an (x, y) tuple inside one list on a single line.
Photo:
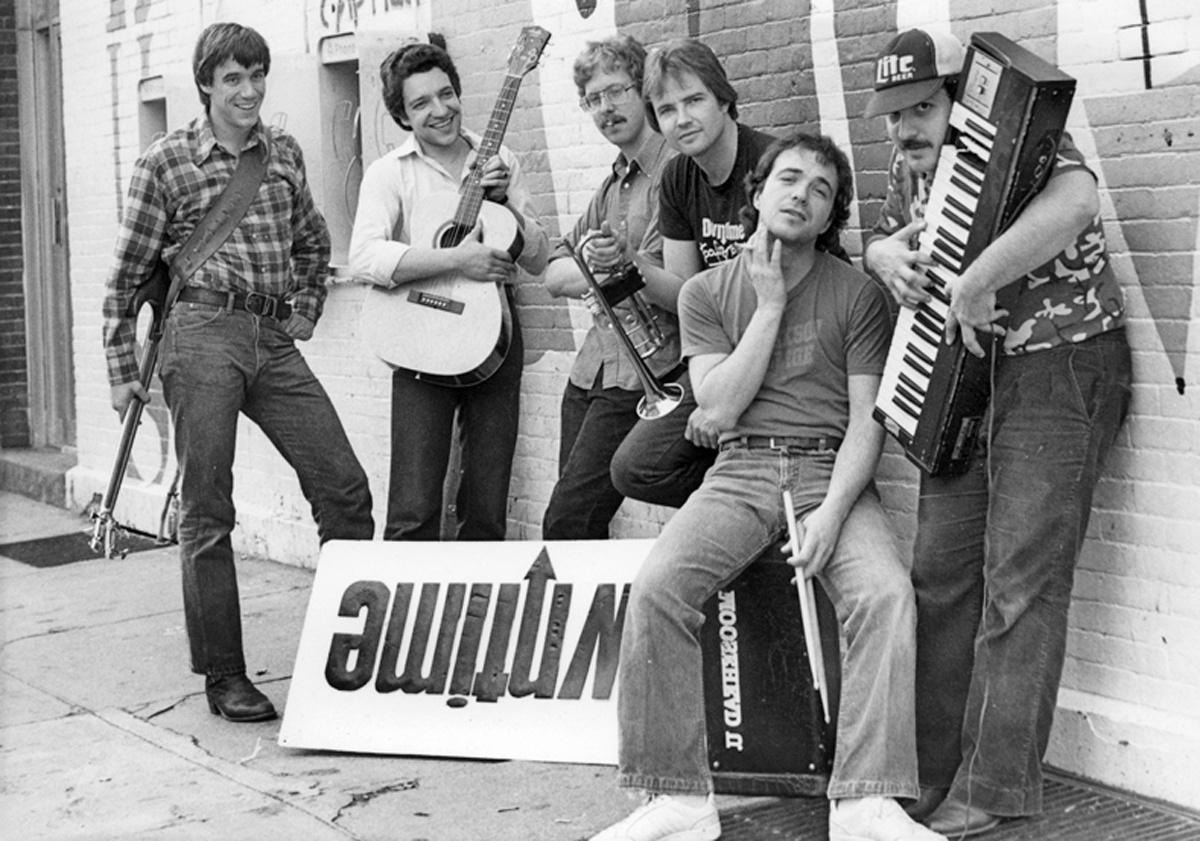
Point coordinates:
[(689, 99), (599, 404)]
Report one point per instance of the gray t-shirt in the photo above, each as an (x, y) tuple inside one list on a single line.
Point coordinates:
[(835, 324)]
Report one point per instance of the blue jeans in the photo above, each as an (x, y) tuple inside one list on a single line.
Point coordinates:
[(215, 365), (422, 432), (734, 517), (655, 463), (594, 422), (994, 564)]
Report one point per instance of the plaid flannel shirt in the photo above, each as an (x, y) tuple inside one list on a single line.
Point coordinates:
[(280, 248)]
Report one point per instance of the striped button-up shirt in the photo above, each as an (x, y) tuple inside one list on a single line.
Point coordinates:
[(280, 247)]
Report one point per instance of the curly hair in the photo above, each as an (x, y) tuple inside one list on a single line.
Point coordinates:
[(410, 60), (827, 152), (620, 52), (220, 42), (686, 55)]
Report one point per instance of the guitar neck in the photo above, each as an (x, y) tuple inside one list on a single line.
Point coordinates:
[(472, 192)]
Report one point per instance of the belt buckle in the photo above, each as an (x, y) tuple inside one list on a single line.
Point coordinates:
[(261, 305), (791, 444)]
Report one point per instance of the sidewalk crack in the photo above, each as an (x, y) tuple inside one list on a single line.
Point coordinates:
[(364, 797)]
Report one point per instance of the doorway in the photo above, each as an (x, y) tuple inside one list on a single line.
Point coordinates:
[(47, 267)]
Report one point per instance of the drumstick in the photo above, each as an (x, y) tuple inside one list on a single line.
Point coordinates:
[(808, 607), (823, 686)]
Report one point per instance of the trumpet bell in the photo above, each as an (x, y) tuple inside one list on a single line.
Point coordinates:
[(661, 402)]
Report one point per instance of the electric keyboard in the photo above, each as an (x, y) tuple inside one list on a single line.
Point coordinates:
[(1005, 123)]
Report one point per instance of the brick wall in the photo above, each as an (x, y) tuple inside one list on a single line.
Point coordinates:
[(14, 378), (1127, 712)]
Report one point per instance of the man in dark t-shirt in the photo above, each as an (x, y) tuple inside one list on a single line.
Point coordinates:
[(690, 101), (703, 216)]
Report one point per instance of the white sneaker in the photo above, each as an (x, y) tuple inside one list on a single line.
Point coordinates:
[(665, 818), (874, 819)]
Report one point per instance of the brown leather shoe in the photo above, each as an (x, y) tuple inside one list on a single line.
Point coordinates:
[(235, 698), (956, 819)]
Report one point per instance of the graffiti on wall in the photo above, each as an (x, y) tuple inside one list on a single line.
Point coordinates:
[(344, 15)]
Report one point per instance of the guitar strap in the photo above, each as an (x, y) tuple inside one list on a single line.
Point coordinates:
[(220, 219)]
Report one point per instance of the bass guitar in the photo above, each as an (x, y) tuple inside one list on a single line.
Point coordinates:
[(453, 330)]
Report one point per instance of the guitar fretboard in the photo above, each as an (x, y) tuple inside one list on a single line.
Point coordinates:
[(472, 192)]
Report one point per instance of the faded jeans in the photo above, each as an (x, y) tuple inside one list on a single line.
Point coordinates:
[(993, 569), (734, 517), (215, 365)]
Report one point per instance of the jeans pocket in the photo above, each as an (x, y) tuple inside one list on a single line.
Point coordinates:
[(193, 331), (186, 315), (1100, 370)]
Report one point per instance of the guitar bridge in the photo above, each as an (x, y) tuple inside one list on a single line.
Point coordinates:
[(436, 302)]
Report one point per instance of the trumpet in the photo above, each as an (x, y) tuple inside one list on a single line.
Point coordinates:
[(625, 281)]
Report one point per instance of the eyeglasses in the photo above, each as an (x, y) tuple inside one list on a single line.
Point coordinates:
[(615, 95)]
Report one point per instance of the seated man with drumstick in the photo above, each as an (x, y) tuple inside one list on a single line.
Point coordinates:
[(785, 346)]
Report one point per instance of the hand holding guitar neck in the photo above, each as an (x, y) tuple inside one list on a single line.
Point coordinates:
[(493, 178), (124, 394)]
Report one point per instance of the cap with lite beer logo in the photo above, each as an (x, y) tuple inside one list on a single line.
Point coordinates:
[(911, 69)]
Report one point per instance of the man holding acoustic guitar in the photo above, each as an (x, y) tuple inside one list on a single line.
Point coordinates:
[(443, 223)]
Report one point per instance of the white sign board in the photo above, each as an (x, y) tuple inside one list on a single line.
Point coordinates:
[(491, 649)]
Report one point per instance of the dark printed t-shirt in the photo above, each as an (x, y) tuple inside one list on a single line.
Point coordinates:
[(692, 209)]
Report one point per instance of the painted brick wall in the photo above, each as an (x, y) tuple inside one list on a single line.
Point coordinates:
[(14, 378), (1127, 712)]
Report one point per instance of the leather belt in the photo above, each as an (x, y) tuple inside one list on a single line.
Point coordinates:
[(267, 306), (798, 443)]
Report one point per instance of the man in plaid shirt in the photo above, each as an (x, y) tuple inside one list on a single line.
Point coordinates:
[(229, 346)]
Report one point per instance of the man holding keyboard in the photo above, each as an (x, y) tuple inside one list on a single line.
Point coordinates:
[(996, 547)]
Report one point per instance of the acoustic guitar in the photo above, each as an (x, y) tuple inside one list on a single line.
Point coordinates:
[(453, 330)]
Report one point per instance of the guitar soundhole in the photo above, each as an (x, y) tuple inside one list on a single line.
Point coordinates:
[(451, 235)]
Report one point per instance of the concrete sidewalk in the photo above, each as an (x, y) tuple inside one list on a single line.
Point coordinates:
[(105, 733)]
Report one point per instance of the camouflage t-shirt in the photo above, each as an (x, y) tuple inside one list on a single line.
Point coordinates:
[(1073, 297)]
